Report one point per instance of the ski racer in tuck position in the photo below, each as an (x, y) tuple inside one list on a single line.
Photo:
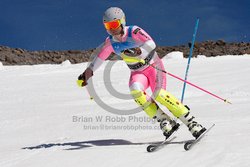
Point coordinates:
[(137, 49)]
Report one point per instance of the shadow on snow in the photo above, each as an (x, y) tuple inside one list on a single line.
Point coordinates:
[(93, 143)]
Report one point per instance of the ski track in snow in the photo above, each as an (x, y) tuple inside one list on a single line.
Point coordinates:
[(38, 103)]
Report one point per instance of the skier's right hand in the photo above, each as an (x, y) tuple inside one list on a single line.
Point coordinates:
[(88, 73)]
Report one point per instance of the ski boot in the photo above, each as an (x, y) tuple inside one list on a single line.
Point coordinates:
[(195, 128), (168, 127)]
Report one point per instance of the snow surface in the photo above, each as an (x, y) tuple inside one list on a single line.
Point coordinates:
[(39, 106), (1, 65), (174, 55)]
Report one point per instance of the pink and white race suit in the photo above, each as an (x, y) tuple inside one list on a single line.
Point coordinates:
[(142, 76)]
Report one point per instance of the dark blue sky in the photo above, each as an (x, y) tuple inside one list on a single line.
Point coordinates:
[(77, 24)]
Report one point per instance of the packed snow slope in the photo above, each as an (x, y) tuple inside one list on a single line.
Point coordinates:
[(47, 121)]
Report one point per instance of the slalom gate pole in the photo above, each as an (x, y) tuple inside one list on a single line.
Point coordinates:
[(174, 76), (189, 58)]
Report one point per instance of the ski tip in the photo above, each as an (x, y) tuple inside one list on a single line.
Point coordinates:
[(151, 148), (187, 146)]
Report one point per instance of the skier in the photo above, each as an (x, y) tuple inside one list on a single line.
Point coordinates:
[(137, 49)]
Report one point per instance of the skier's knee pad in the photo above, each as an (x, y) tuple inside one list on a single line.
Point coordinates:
[(147, 105), (171, 102)]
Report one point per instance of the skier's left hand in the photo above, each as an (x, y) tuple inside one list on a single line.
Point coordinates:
[(88, 73)]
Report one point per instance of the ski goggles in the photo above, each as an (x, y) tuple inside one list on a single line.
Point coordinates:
[(112, 25)]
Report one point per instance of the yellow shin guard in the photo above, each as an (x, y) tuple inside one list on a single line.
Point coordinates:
[(141, 99), (171, 102)]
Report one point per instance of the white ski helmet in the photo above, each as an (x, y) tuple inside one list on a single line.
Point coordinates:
[(114, 13)]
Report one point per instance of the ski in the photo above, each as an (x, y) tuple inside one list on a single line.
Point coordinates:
[(188, 145), (154, 147)]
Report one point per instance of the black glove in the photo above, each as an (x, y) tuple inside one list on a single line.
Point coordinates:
[(88, 73)]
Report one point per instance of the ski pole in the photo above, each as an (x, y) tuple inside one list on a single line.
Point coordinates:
[(189, 58), (174, 76), (79, 83), (90, 97)]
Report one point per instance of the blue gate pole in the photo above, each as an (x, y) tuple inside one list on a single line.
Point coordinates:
[(189, 58)]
